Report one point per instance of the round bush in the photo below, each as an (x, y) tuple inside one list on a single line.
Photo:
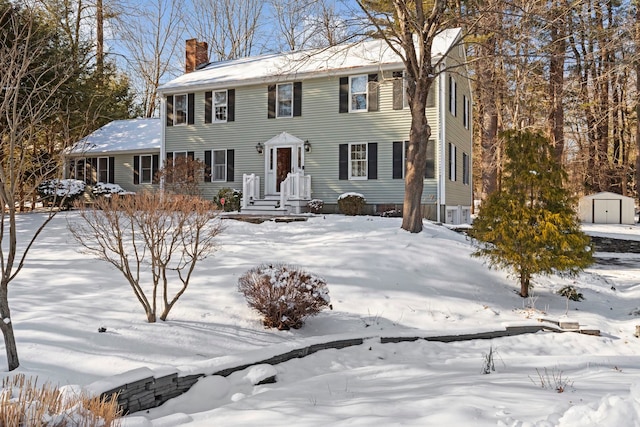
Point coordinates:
[(283, 294), (351, 203), (61, 192)]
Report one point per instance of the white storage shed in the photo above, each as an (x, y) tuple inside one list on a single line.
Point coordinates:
[(607, 208)]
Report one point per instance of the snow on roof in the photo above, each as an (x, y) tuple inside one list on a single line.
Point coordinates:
[(121, 136), (371, 54)]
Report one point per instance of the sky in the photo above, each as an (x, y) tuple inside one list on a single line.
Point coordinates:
[(382, 282)]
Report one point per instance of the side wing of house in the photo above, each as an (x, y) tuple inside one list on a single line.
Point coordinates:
[(456, 139), (346, 131)]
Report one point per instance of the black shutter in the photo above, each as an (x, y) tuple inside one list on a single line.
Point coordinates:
[(297, 99), (170, 110), (231, 105), (155, 168), (372, 160), (344, 95), (398, 159), (136, 169), (208, 107), (230, 166), (343, 161), (207, 166), (373, 93), (191, 108), (271, 102), (112, 170), (398, 86)]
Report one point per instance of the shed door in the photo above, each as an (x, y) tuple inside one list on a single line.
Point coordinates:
[(607, 211)]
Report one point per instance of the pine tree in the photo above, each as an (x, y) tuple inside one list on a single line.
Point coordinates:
[(530, 226)]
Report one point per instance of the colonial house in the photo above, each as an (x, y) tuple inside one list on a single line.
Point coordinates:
[(287, 128), (123, 152)]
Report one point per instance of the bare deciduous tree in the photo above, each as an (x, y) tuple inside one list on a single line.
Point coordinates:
[(151, 34), (153, 239), (32, 69), (229, 27)]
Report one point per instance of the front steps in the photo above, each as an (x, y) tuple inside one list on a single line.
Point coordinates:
[(271, 206)]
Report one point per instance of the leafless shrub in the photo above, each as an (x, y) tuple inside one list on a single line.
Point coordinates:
[(24, 403), (553, 380), (153, 239), (182, 175), (283, 294)]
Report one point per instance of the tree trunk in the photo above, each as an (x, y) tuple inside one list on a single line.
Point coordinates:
[(151, 317), (412, 214), (6, 326), (556, 82), (99, 38), (524, 284), (637, 64)]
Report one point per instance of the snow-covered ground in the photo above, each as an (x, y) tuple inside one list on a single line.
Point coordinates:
[(382, 280)]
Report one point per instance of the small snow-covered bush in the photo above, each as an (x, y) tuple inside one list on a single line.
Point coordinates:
[(570, 292), (61, 192), (351, 203), (283, 294), (24, 403), (315, 206), (107, 190)]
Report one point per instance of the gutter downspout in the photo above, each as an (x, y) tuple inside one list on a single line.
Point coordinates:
[(163, 145), (440, 197)]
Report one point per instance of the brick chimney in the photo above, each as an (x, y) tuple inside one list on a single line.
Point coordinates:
[(197, 53)]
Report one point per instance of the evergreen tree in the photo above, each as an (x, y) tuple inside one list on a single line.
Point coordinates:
[(530, 226)]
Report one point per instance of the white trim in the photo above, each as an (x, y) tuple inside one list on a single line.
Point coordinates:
[(140, 174), (163, 135), (366, 162), (213, 166), (366, 93), (278, 116), (282, 140), (441, 196), (186, 109), (215, 119)]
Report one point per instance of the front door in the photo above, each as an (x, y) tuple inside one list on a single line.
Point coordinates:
[(284, 154), (283, 165)]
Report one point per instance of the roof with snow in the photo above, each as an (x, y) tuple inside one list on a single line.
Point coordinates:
[(370, 55), (120, 136)]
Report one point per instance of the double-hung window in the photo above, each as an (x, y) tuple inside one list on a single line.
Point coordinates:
[(358, 161), (284, 100), (102, 173), (219, 165), (453, 95), (465, 168), (452, 162), (180, 109), (146, 169), (465, 111), (220, 105), (358, 93)]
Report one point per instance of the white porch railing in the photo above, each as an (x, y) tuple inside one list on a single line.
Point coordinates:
[(250, 188), (295, 186)]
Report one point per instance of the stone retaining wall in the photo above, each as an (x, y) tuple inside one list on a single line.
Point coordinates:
[(151, 391), (607, 244)]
